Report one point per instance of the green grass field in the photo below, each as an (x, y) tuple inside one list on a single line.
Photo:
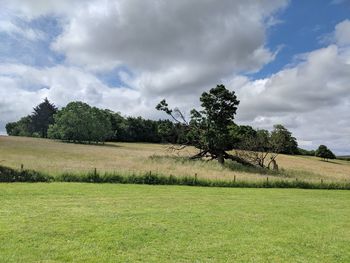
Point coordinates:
[(71, 222), (63, 222)]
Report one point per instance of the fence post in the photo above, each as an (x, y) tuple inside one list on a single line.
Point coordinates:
[(22, 167), (95, 171), (234, 178)]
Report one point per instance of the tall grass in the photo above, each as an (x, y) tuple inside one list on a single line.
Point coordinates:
[(236, 167), (13, 175)]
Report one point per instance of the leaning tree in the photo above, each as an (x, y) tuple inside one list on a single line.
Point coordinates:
[(209, 129)]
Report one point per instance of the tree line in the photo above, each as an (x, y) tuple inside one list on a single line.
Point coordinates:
[(79, 122), (212, 130)]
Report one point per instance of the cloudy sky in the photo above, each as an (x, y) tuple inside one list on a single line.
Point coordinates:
[(288, 61)]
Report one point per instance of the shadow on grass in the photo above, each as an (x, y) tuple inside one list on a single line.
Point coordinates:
[(106, 144), (237, 167), (229, 165), (330, 162)]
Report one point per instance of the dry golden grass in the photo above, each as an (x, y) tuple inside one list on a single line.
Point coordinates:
[(334, 169), (57, 157)]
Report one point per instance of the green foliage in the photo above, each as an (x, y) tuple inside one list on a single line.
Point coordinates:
[(306, 152), (170, 132), (209, 129), (23, 127), (279, 140), (36, 124), (282, 140), (213, 122), (117, 125), (240, 133), (138, 129), (82, 123), (78, 122), (42, 117), (324, 153)]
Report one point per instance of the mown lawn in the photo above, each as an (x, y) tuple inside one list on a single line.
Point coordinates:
[(62, 222)]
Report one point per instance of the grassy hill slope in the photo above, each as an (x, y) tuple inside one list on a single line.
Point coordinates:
[(57, 157)]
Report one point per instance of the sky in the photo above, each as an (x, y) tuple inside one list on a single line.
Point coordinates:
[(288, 61)]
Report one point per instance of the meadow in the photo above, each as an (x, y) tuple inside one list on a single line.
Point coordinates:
[(88, 222), (70, 222), (56, 157)]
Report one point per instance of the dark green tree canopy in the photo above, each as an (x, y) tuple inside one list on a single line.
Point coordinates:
[(36, 124), (42, 117), (78, 122), (282, 140), (23, 127), (324, 153), (213, 122), (209, 128)]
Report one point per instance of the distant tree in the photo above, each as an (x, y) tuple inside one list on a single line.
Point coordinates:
[(118, 124), (255, 146), (240, 134), (282, 140), (78, 122), (261, 147), (170, 132), (23, 127), (11, 129), (42, 117), (325, 153), (166, 131), (306, 152)]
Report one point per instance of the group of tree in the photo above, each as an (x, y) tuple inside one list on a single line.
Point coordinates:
[(35, 124), (79, 122), (325, 153), (211, 130)]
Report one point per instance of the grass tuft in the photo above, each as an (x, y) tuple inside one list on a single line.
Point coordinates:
[(149, 178)]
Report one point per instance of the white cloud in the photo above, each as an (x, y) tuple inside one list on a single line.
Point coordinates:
[(342, 33), (175, 50), (311, 98), (22, 87), (171, 46)]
